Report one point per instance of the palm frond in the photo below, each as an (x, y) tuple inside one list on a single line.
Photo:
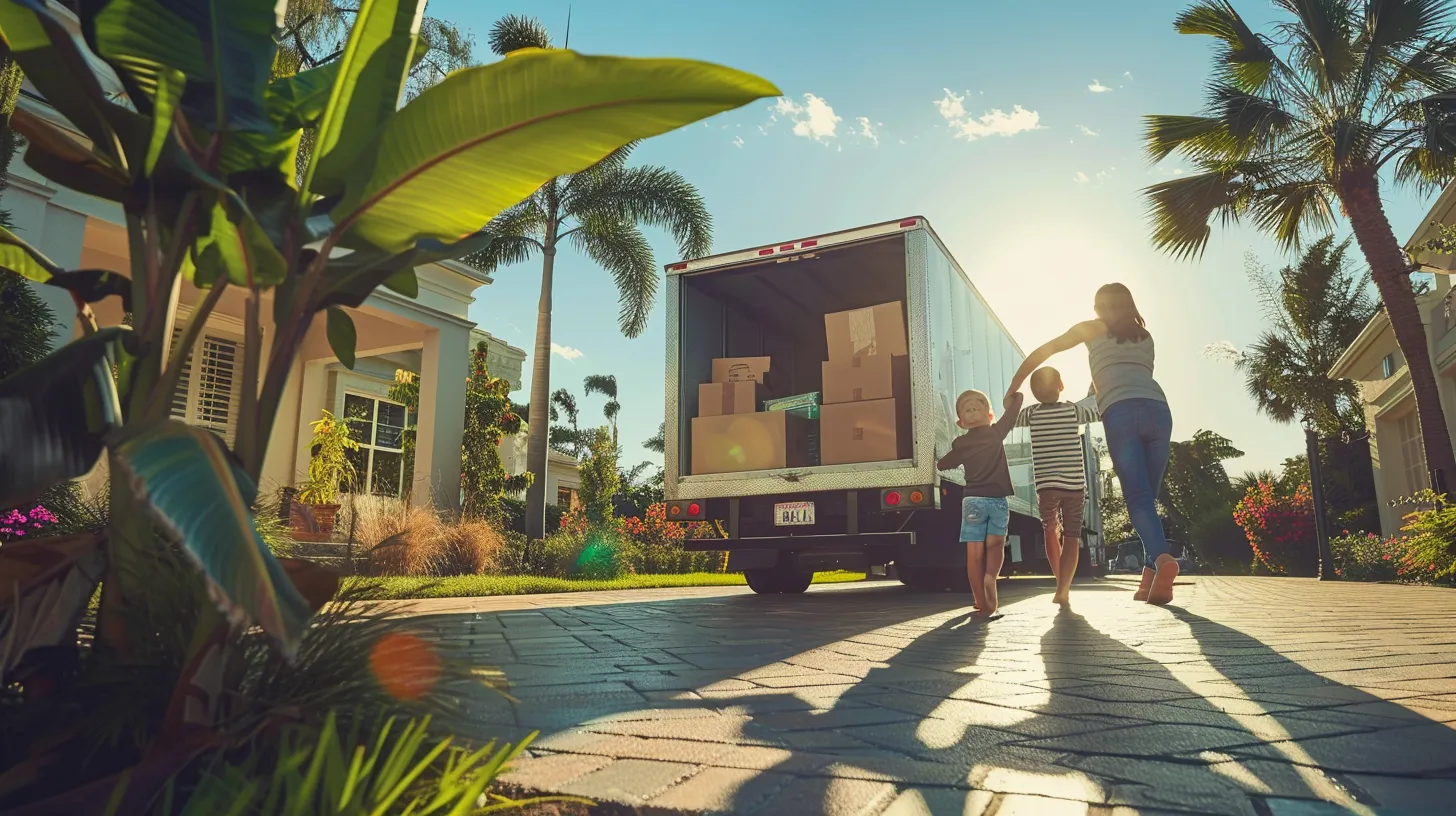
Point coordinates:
[(1427, 170), (1391, 26), (518, 232), (611, 410), (1181, 209), (516, 31), (654, 196), (1291, 211), (1198, 137), (1251, 121), (561, 398), (658, 442), (1246, 61), (613, 162), (1431, 68), (1322, 41), (619, 247), (604, 384)]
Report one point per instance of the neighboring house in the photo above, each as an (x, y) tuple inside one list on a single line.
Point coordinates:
[(563, 472), (430, 335), (1374, 362)]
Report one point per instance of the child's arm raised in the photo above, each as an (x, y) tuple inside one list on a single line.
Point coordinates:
[(1011, 412)]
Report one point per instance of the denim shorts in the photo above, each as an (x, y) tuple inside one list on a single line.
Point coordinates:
[(981, 517)]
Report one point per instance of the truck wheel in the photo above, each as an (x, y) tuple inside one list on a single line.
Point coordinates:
[(794, 583), (762, 581)]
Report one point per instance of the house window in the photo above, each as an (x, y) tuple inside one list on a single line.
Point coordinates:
[(1387, 366), (1412, 453), (378, 426), (565, 498), (210, 387)]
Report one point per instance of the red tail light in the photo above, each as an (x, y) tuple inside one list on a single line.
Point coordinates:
[(892, 498), (694, 509)]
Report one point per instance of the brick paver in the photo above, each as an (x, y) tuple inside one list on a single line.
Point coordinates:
[(1251, 697)]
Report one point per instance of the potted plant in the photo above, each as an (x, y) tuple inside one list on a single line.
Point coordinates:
[(316, 503)]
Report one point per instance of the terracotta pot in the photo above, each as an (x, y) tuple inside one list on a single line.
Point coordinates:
[(312, 522)]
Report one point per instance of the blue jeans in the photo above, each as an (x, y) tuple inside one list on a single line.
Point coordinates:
[(982, 517), (1138, 436)]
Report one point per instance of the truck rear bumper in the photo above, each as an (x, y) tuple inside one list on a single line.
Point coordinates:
[(809, 543)]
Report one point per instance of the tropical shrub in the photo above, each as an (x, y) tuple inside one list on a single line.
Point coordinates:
[(1367, 556), (397, 769), (329, 466), (397, 538), (599, 477), (1280, 528), (200, 157), (659, 543), (1430, 540)]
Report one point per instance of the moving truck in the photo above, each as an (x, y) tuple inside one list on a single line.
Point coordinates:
[(811, 388)]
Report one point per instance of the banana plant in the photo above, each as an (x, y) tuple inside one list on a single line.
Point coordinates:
[(200, 154)]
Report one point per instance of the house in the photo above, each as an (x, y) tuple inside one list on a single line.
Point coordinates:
[(563, 473), (430, 335), (1375, 363)]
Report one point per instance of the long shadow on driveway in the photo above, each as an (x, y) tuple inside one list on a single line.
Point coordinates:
[(846, 701)]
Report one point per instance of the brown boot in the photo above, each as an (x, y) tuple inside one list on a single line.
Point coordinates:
[(1145, 586), (1162, 590)]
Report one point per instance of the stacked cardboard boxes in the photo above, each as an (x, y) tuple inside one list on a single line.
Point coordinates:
[(865, 416), (730, 433)]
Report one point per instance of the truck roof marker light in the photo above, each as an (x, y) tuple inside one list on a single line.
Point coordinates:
[(768, 251), (786, 248), (909, 222), (678, 267), (807, 244)]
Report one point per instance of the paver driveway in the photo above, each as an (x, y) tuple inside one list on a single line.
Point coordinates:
[(1275, 697)]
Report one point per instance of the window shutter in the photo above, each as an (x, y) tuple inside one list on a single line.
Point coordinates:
[(180, 402), (219, 386)]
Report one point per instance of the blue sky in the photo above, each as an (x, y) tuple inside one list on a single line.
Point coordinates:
[(1014, 127)]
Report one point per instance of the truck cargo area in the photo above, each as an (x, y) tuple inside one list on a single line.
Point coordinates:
[(775, 308)]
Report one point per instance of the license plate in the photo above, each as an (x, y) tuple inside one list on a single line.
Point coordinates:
[(794, 514)]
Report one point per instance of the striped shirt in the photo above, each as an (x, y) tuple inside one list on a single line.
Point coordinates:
[(1056, 447)]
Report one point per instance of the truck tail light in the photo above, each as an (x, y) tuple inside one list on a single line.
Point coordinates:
[(685, 511), (905, 498)]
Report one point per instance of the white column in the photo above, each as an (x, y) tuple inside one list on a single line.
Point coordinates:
[(444, 365), (312, 396)]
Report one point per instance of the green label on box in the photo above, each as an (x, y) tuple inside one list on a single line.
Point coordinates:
[(809, 400)]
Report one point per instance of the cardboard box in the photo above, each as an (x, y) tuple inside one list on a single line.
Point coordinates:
[(737, 443), (740, 369), (871, 330), (854, 432), (720, 399), (860, 379)]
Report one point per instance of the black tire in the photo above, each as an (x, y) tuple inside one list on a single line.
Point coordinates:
[(794, 583), (763, 581), (916, 578)]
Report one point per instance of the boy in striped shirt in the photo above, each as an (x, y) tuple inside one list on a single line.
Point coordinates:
[(1056, 454)]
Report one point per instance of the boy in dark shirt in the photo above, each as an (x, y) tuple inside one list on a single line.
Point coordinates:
[(981, 452)]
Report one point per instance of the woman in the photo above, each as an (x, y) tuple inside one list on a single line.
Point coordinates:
[(1135, 414)]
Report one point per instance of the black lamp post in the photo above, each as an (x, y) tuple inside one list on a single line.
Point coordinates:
[(1316, 484)]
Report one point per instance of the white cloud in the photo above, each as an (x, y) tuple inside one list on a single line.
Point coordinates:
[(1086, 131), (738, 141), (1099, 177), (814, 119), (1127, 75), (867, 129), (1080, 178), (566, 352), (995, 122), (1098, 87)]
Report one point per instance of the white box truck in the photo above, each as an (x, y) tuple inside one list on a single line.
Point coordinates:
[(785, 523)]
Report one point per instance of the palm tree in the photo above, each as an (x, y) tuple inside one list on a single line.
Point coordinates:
[(1316, 308), (658, 442), (1308, 118), (600, 210), (606, 385), (565, 438)]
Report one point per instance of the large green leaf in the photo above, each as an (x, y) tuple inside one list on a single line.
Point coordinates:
[(343, 337), (371, 76), (237, 248), (188, 480), (299, 101), (350, 280), (225, 49), (54, 417), (54, 62), (55, 154), (44, 586), (25, 260), (487, 137)]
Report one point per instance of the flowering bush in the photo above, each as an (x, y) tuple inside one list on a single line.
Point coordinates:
[(1430, 543), (1280, 528), (1368, 557), (627, 546), (17, 524)]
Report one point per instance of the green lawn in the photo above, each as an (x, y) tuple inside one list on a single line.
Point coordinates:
[(467, 586)]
